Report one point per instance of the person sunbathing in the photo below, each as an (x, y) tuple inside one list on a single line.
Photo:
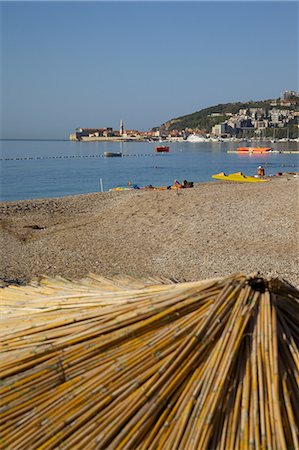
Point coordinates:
[(187, 184), (177, 184)]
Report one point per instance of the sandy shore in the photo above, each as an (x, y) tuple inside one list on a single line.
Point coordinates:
[(211, 230)]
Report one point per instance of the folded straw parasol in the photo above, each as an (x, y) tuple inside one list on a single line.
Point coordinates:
[(145, 364)]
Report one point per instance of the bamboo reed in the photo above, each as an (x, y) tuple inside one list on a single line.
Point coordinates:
[(124, 363)]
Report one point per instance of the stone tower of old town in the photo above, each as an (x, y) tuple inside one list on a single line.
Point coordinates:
[(121, 128)]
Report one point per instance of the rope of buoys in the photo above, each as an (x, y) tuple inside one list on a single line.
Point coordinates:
[(32, 158)]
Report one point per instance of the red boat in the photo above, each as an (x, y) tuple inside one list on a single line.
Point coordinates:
[(254, 149), (162, 149)]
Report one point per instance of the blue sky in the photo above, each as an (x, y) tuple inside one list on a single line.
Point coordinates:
[(88, 64)]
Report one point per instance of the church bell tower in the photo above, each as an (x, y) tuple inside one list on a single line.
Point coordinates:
[(121, 128)]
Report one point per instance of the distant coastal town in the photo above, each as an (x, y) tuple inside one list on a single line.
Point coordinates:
[(108, 134), (265, 120)]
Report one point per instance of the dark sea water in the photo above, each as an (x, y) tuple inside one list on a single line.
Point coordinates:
[(39, 169)]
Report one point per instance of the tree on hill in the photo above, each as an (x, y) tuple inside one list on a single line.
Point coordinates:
[(204, 119)]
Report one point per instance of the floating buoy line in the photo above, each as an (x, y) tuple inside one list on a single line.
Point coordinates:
[(34, 158)]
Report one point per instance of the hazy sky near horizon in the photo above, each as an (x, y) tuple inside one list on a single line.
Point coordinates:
[(89, 64)]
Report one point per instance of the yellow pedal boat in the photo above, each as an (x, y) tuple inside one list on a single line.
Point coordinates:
[(239, 176)]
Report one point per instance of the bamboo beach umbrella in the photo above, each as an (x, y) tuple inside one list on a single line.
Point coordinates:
[(127, 363)]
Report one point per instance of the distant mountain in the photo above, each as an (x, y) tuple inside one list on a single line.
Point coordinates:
[(206, 118)]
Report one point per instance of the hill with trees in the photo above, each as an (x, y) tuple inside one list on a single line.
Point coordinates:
[(204, 119)]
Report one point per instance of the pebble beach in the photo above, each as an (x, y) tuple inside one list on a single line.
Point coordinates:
[(212, 230)]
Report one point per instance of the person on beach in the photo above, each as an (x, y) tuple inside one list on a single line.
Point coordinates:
[(187, 184), (260, 171), (177, 184)]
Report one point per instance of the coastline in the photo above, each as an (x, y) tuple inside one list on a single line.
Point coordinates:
[(108, 139), (214, 229)]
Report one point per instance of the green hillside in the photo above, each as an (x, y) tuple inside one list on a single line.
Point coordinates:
[(203, 121)]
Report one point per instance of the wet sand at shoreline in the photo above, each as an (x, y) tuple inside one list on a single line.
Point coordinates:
[(211, 230)]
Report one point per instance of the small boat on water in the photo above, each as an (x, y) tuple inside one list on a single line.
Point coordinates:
[(196, 138), (162, 149), (112, 154), (240, 177), (254, 149)]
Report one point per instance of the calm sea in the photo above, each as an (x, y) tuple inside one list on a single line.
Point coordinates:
[(39, 169)]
